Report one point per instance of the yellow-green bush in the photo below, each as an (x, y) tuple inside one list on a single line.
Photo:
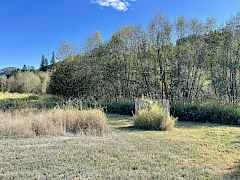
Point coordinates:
[(154, 117), (28, 82)]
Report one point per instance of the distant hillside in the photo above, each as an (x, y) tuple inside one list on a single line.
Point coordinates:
[(7, 71)]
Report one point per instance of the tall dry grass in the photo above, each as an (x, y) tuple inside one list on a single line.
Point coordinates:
[(154, 117), (57, 122)]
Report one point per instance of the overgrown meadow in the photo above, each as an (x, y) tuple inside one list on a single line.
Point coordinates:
[(76, 118), (49, 144)]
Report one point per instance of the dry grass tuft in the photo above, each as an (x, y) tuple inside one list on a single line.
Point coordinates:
[(56, 122), (154, 117)]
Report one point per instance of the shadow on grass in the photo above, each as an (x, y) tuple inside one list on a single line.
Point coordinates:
[(128, 128), (236, 142), (234, 173), (126, 123), (122, 122), (198, 125)]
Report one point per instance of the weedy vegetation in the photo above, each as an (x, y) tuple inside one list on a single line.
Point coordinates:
[(17, 101), (154, 117), (191, 151), (57, 122), (192, 64)]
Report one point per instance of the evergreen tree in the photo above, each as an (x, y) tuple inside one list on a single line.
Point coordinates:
[(53, 59), (24, 68), (42, 64), (46, 63)]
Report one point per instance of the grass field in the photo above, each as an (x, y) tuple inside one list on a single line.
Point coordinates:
[(191, 151), (13, 101)]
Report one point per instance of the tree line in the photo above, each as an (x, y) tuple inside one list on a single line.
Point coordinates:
[(45, 65), (28, 79), (187, 60)]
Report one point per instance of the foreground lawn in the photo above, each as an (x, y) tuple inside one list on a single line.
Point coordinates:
[(191, 151)]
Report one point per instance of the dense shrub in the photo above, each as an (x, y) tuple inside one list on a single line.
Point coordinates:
[(73, 79), (28, 82), (122, 108), (154, 117), (53, 123), (208, 112)]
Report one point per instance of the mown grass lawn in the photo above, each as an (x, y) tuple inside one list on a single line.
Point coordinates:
[(191, 151)]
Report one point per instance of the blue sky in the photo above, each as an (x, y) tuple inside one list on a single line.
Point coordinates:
[(30, 28)]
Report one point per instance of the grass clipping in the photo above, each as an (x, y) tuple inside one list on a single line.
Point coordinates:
[(56, 122), (154, 117)]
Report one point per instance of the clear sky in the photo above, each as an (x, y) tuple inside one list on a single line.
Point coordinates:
[(30, 28)]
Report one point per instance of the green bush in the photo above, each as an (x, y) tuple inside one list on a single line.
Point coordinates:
[(208, 112), (74, 79), (154, 117), (121, 108)]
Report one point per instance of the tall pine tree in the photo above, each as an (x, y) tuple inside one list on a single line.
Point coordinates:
[(43, 64), (53, 59)]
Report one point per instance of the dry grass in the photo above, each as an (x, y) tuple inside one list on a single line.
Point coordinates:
[(154, 117), (56, 122), (192, 152)]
